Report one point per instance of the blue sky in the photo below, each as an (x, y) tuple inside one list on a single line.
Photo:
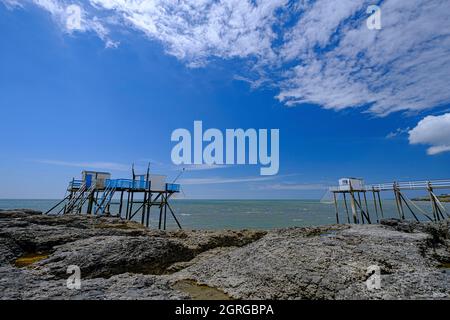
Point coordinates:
[(110, 91)]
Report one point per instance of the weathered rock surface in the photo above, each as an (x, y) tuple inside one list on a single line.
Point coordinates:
[(123, 260), (330, 263), (28, 284), (104, 256)]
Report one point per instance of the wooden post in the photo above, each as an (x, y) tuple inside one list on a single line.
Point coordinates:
[(359, 203), (149, 203), (90, 203), (173, 214), (160, 212), (346, 207), (353, 206), (433, 203), (381, 206), (131, 204), (143, 207), (121, 203), (67, 197), (408, 206), (400, 201), (149, 206), (367, 207), (127, 216), (439, 207), (397, 201), (375, 204), (336, 207), (165, 210), (70, 196)]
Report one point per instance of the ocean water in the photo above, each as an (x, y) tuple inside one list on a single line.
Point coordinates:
[(242, 214)]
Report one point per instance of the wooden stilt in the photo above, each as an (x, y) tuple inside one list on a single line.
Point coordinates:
[(149, 206), (407, 205), (121, 203), (433, 203), (90, 203), (160, 215), (165, 211), (367, 207), (336, 207), (127, 213), (400, 202), (346, 207), (131, 204), (173, 215), (144, 208), (379, 202), (359, 202), (375, 205), (397, 202), (361, 209), (353, 206), (66, 198)]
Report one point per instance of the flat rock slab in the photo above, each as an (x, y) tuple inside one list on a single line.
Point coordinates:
[(330, 263), (28, 284)]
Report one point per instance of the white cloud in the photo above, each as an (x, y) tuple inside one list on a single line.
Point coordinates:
[(193, 31), (318, 52), (433, 131), (89, 165)]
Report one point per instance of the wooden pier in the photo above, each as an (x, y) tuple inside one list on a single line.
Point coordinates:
[(357, 194), (94, 193)]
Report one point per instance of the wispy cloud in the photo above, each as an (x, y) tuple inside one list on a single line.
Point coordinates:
[(11, 4), (254, 83), (202, 167), (89, 165), (314, 51), (341, 64), (294, 186), (221, 180), (398, 132)]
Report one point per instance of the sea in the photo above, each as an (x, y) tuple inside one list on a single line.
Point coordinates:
[(244, 214)]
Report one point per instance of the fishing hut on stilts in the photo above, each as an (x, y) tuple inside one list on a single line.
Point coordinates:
[(94, 194), (355, 194)]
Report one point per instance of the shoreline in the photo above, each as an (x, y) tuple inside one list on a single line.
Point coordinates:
[(123, 260)]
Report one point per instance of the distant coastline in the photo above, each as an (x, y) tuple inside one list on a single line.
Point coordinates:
[(442, 198)]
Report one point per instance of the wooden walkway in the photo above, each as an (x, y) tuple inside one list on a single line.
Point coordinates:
[(360, 208)]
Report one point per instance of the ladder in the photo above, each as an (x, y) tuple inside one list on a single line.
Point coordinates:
[(79, 206), (105, 200), (73, 201)]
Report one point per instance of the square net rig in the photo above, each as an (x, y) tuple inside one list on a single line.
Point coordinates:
[(354, 191), (93, 194)]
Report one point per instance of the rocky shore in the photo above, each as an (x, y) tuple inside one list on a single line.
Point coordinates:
[(123, 260)]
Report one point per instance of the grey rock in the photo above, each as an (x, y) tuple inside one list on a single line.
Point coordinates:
[(104, 256), (29, 284), (123, 260), (324, 263)]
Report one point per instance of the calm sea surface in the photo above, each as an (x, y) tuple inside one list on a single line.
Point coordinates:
[(239, 214)]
